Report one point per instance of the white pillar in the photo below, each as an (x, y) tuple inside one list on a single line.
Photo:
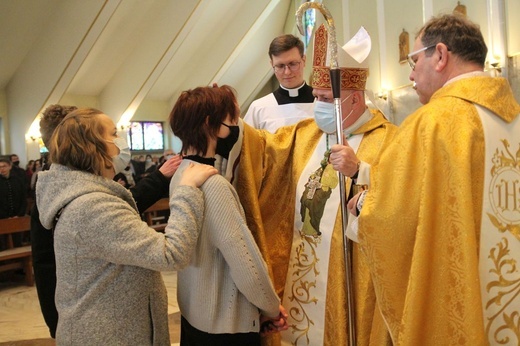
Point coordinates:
[(497, 34)]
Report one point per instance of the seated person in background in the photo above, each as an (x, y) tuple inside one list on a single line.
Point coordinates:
[(29, 169), (37, 168), (109, 287), (13, 196), (13, 193), (226, 292)]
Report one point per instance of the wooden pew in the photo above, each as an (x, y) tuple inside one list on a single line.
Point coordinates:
[(156, 216), (16, 257)]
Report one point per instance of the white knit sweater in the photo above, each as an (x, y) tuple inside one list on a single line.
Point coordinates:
[(227, 284)]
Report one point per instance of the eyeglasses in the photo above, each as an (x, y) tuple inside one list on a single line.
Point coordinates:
[(293, 66), (412, 62)]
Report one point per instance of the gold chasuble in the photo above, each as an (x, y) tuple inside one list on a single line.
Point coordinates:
[(287, 195), (423, 220)]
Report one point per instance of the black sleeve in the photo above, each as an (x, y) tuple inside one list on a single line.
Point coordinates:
[(150, 189), (44, 266), (22, 198)]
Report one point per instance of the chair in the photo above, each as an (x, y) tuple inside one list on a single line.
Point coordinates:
[(19, 257), (156, 216)]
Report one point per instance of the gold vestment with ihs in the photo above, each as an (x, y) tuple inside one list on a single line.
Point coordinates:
[(420, 225)]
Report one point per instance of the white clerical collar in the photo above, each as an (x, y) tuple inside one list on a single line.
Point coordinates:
[(293, 92), (468, 75), (362, 120)]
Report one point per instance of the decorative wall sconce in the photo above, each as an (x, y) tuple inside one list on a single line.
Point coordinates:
[(123, 126), (32, 137), (382, 95), (496, 66)]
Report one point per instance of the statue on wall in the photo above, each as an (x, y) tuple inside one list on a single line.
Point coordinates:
[(404, 46), (460, 9)]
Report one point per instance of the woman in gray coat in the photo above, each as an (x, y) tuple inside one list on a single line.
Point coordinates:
[(109, 288)]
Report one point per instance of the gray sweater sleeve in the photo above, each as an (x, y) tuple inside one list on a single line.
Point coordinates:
[(233, 238), (113, 230)]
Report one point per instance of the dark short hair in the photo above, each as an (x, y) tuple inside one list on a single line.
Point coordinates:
[(78, 142), (200, 111), (51, 117), (462, 37), (283, 43), (6, 160)]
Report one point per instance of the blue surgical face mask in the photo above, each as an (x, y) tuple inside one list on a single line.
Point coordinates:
[(122, 159), (324, 115)]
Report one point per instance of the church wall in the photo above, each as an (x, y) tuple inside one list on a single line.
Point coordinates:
[(366, 16), (4, 125), (513, 27), (514, 75), (80, 101), (152, 110), (389, 77), (384, 20)]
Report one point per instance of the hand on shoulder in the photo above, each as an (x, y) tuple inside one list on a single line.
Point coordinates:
[(169, 168), (196, 175)]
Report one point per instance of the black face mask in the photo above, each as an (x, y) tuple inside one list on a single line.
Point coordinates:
[(224, 145), (16, 163)]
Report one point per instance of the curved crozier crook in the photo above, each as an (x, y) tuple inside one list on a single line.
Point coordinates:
[(333, 47)]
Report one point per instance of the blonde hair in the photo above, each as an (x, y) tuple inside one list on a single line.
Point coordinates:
[(78, 142)]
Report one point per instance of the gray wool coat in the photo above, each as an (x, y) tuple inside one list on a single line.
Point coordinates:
[(109, 288)]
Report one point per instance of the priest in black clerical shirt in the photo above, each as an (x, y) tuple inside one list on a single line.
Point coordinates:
[(293, 100)]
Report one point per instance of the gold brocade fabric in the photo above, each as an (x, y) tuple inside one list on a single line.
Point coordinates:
[(270, 167), (420, 225)]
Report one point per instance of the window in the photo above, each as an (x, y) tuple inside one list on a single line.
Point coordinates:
[(146, 135), (310, 21)]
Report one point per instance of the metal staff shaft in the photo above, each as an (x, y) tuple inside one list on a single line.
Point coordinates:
[(335, 77)]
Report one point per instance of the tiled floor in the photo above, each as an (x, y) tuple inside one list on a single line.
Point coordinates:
[(21, 321)]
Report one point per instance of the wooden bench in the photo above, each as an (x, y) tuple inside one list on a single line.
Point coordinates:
[(156, 216), (16, 257)]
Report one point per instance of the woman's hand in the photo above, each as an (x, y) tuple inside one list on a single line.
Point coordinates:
[(196, 175), (274, 325), (169, 167)]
